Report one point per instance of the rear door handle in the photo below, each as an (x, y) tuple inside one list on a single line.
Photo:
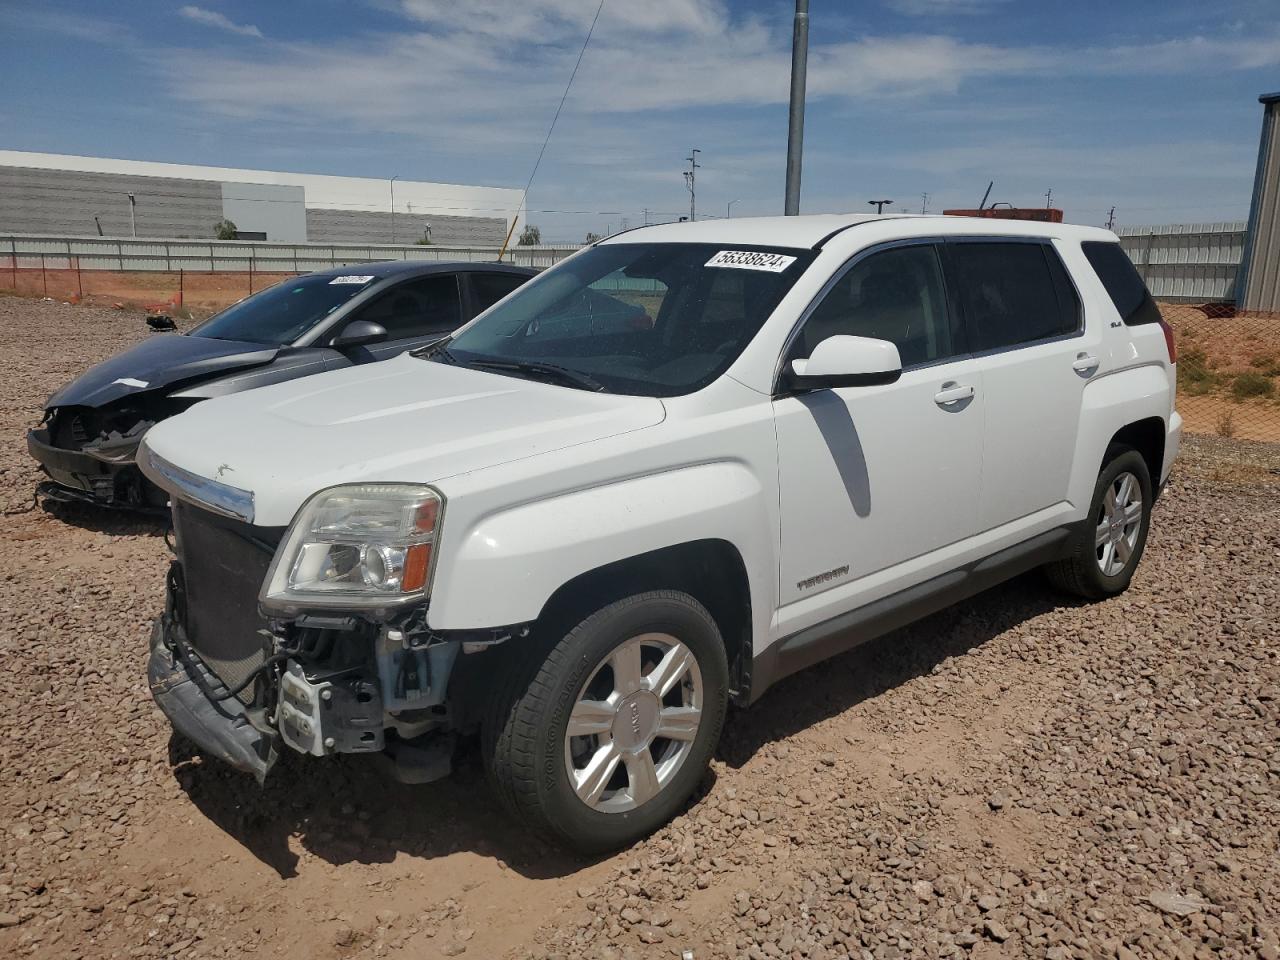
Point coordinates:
[(952, 393), (1085, 364)]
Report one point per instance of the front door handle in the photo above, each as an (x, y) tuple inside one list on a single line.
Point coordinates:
[(952, 393), (1085, 364)]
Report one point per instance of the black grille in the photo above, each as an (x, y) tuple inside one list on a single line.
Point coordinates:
[(224, 563)]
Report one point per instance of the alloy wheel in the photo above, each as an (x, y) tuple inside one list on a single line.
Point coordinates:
[(1119, 523), (633, 723)]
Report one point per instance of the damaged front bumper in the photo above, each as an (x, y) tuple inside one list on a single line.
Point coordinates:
[(107, 478), (335, 686), (185, 690)]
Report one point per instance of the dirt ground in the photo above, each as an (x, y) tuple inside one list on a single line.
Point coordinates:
[(1020, 776)]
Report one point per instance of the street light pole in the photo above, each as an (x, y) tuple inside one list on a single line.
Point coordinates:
[(133, 222), (393, 208), (879, 204), (795, 128), (690, 181), (728, 208)]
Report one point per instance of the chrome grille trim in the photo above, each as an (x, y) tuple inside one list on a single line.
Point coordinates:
[(221, 498)]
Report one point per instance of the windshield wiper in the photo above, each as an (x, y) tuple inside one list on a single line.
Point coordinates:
[(439, 349), (538, 368)]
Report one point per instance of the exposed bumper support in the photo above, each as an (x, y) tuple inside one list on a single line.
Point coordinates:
[(80, 475), (221, 729)]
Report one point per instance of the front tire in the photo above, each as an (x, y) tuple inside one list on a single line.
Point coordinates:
[(602, 739), (1105, 551)]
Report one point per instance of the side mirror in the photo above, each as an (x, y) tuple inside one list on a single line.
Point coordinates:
[(844, 361), (359, 333)]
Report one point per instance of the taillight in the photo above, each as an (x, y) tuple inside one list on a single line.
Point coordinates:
[(1168, 340)]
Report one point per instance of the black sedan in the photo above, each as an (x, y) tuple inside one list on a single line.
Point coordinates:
[(309, 324)]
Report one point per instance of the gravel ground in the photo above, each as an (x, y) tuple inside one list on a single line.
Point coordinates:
[(1018, 776)]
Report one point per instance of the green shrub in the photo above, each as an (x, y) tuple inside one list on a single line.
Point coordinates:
[(1252, 385), (1194, 376), (1268, 364)]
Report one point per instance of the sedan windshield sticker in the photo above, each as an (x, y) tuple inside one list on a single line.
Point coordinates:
[(360, 279), (748, 260)]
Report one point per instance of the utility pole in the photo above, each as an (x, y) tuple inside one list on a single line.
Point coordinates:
[(1048, 198), (133, 223), (924, 203), (879, 204), (690, 181), (646, 216), (728, 208), (795, 124), (393, 208), (1111, 219)]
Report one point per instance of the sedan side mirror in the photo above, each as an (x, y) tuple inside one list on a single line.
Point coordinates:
[(844, 361), (359, 333)]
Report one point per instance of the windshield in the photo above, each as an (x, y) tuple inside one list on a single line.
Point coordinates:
[(282, 313), (650, 319)]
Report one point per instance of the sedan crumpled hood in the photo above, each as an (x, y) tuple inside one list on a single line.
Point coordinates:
[(161, 360), (404, 420)]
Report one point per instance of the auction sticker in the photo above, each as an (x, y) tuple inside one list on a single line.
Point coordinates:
[(750, 260), (361, 279)]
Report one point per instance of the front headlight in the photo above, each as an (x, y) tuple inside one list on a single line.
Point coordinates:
[(361, 546)]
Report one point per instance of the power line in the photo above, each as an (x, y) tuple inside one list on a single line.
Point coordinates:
[(565, 96)]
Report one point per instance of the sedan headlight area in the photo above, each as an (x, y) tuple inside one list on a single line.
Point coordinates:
[(359, 546)]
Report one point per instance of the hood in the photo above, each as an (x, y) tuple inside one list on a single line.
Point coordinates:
[(159, 361), (403, 420)]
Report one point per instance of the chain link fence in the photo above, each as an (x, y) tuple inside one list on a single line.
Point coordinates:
[(1228, 370), (1228, 361)]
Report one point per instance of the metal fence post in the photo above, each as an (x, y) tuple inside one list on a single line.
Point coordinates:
[(13, 248), (44, 276)]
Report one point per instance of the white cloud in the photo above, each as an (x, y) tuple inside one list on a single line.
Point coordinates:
[(942, 8), (211, 18)]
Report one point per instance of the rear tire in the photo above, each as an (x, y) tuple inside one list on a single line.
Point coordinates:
[(1105, 550), (599, 738)]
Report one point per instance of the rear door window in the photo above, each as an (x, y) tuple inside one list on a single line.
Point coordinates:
[(1012, 293), (488, 288), (418, 308), (1123, 284)]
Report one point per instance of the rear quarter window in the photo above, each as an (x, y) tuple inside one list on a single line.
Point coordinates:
[(1122, 282)]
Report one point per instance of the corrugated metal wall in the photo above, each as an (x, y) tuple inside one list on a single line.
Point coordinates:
[(65, 202), (1192, 262), (371, 226), (1261, 268)]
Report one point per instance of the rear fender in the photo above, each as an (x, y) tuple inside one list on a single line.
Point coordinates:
[(1110, 403)]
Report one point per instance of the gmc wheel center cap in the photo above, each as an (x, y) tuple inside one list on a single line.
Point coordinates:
[(636, 720)]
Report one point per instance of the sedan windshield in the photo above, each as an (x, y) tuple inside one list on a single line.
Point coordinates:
[(283, 313), (649, 319)]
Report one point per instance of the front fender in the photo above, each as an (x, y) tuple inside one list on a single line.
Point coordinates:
[(503, 567)]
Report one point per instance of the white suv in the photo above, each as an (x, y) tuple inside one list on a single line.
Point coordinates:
[(681, 464)]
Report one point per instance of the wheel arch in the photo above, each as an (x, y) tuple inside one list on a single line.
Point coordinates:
[(1147, 437), (711, 570)]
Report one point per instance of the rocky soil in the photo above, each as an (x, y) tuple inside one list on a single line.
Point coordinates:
[(1018, 776)]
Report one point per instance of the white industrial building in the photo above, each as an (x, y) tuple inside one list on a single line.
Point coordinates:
[(57, 194)]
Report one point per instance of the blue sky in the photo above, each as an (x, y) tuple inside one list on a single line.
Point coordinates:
[(1150, 106)]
